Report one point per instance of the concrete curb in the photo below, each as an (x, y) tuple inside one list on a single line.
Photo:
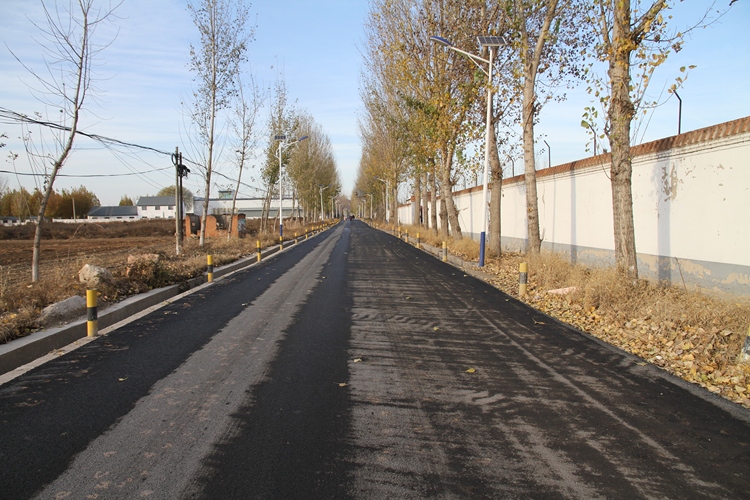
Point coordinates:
[(24, 350)]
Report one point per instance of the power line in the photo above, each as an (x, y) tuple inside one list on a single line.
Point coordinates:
[(84, 175)]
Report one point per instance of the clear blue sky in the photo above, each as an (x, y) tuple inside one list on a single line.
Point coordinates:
[(145, 78)]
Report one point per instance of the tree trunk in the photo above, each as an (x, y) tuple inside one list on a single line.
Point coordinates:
[(209, 166), (418, 197), (494, 246), (443, 218), (433, 199), (425, 201), (529, 162), (621, 112), (447, 192)]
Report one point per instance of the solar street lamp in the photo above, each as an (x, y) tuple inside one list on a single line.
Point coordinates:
[(282, 146), (492, 42)]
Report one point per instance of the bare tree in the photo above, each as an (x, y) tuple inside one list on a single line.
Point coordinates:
[(246, 107), (546, 38), (224, 35), (630, 37), (69, 48)]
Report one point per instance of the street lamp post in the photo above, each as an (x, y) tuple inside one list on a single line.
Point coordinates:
[(387, 189), (492, 42), (282, 146), (322, 207)]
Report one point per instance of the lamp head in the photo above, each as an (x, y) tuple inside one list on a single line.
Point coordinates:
[(442, 41)]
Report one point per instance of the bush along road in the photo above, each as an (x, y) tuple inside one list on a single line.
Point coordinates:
[(356, 366)]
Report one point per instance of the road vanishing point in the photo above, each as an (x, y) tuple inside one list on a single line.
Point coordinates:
[(353, 365)]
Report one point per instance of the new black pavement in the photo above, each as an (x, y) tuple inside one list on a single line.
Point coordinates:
[(399, 376)]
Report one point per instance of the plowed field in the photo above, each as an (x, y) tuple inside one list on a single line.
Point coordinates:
[(66, 254)]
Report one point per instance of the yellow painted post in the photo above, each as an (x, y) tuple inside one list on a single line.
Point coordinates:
[(523, 277), (257, 250), (417, 240), (281, 243), (210, 269), (92, 319), (406, 236), (295, 238), (307, 234), (445, 251), (399, 232)]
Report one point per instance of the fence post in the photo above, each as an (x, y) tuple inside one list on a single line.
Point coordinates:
[(523, 276), (92, 318), (210, 269)]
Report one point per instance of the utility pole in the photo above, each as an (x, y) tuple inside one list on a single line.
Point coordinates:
[(180, 172)]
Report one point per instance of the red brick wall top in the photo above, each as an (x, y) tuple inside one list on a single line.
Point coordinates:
[(702, 135)]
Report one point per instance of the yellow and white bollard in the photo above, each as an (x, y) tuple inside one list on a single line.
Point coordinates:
[(523, 277), (92, 318), (210, 267)]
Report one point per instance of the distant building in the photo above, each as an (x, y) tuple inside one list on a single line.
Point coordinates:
[(251, 207), (10, 221), (113, 213), (156, 207)]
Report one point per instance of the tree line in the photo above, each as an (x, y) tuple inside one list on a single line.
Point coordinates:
[(61, 205), (424, 102), (221, 117)]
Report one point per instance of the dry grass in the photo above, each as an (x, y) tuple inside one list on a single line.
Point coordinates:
[(21, 301), (693, 335)]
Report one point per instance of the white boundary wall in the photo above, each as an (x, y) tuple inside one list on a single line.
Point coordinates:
[(691, 200)]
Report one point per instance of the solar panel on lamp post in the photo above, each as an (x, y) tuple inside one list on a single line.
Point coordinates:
[(492, 42)]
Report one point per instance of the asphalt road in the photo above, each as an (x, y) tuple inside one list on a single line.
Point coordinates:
[(355, 366)]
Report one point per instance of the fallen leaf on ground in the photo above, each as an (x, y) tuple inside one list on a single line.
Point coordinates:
[(470, 370)]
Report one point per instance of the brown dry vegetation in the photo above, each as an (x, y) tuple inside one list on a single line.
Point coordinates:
[(693, 335), (68, 247)]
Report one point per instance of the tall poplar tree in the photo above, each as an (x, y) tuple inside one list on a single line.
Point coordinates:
[(224, 36)]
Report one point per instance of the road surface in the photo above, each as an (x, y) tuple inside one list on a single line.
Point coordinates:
[(353, 365)]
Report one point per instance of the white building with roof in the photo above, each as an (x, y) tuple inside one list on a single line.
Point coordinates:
[(156, 207)]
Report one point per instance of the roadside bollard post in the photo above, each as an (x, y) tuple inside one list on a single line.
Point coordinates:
[(406, 236), (281, 243), (417, 240), (295, 238), (210, 268), (307, 234), (745, 353), (523, 276), (257, 250), (445, 251), (92, 318)]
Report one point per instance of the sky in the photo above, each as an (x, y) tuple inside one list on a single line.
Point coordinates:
[(143, 79)]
